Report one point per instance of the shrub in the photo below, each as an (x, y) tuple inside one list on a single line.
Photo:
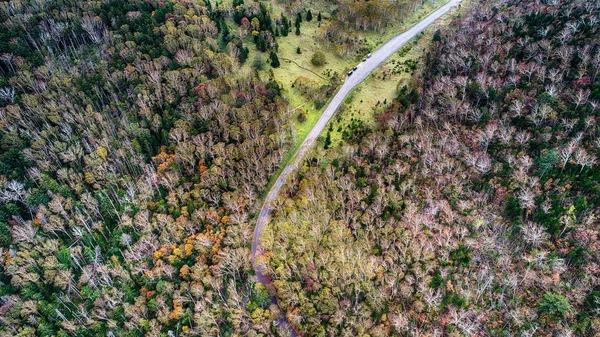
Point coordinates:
[(318, 59), (258, 63), (592, 302), (553, 304), (301, 117)]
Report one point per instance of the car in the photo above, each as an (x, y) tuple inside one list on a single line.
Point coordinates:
[(368, 55), (350, 73), (354, 69), (364, 60)]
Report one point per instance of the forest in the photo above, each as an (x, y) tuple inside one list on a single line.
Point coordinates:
[(134, 147), (137, 140), (471, 208)]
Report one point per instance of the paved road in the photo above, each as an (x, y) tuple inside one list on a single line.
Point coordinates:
[(364, 69)]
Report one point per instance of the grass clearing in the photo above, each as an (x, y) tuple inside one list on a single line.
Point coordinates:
[(379, 89), (380, 86), (368, 93)]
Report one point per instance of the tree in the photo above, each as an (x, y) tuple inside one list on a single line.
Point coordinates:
[(5, 235), (261, 43), (274, 60), (286, 25), (319, 17), (437, 36), (243, 55), (592, 302), (327, 143), (298, 50), (298, 21), (318, 59), (309, 16), (225, 34), (7, 94)]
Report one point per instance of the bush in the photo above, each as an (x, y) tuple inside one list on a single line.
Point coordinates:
[(301, 117), (318, 59), (258, 63), (260, 298), (592, 302), (436, 280), (461, 256), (553, 304)]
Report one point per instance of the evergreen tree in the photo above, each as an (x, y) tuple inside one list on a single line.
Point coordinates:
[(327, 143), (274, 60), (298, 51), (309, 15), (437, 36), (285, 25), (319, 18), (225, 35), (258, 63), (266, 23), (243, 55), (237, 16), (298, 20), (261, 43)]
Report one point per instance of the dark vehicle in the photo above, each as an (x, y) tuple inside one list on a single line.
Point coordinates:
[(364, 60), (354, 69), (350, 73), (368, 55)]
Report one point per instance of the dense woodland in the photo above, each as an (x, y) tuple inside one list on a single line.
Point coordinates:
[(136, 140), (135, 143), (133, 151), (471, 209)]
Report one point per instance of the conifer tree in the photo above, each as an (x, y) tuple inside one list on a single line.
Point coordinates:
[(274, 60)]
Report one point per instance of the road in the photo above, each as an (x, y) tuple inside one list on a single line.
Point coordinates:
[(364, 69)]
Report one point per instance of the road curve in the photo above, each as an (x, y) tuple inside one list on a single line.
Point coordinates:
[(364, 69)]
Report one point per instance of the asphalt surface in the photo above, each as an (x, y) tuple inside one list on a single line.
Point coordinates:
[(364, 69)]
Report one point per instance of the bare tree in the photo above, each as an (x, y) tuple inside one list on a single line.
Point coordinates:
[(7, 94)]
